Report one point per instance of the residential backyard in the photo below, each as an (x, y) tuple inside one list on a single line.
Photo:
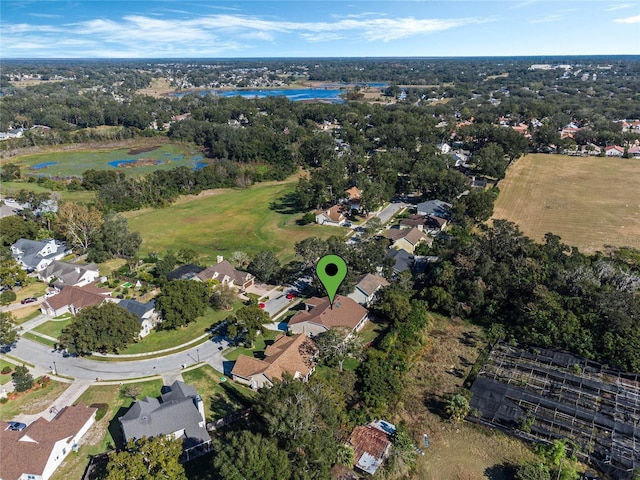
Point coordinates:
[(32, 401)]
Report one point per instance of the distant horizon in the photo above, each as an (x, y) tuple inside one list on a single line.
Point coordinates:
[(194, 29), (369, 58)]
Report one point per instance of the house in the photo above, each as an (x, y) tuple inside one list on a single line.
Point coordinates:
[(65, 273), (185, 272), (294, 355), (178, 413), (403, 260), (371, 447), (36, 255), (443, 148), (73, 299), (424, 223), (407, 239), (354, 196), (366, 289), (437, 208), (38, 450), (634, 151), (146, 313), (226, 274), (332, 216), (613, 151), (320, 316)]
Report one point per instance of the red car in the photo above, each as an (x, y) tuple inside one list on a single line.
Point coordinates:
[(291, 296), (262, 305), (29, 300)]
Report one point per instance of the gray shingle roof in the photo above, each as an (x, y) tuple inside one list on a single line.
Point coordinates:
[(30, 249), (177, 411), (137, 308)]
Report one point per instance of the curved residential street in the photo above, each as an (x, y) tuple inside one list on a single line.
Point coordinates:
[(85, 369)]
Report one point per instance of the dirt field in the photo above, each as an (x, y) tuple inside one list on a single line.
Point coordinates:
[(160, 87), (588, 201), (456, 451)]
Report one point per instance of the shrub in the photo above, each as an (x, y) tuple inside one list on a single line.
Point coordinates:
[(6, 370), (7, 297), (102, 410), (4, 400)]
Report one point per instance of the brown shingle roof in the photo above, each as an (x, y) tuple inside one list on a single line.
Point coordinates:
[(370, 283), (354, 193), (345, 312), (413, 236), (28, 451), (80, 297), (334, 213), (286, 355)]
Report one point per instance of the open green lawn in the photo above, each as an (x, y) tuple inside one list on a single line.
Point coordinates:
[(33, 401), (159, 340), (33, 289), (39, 339), (6, 378), (100, 437), (148, 156), (220, 222), (220, 398), (588, 201), (258, 346), (53, 328)]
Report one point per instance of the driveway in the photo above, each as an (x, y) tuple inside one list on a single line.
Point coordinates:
[(390, 210)]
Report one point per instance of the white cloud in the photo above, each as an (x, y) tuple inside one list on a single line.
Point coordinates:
[(523, 4), (618, 7), (45, 15), (635, 19), (554, 17)]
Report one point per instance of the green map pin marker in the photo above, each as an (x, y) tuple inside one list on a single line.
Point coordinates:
[(331, 270)]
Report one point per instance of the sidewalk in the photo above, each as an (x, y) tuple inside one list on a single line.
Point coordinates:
[(67, 397)]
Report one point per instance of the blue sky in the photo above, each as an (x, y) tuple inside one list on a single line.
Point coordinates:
[(316, 28)]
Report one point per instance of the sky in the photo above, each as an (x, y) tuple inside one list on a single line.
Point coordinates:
[(316, 28)]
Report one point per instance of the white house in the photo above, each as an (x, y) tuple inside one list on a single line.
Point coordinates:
[(66, 273), (37, 254), (37, 451), (332, 216), (146, 313), (613, 151)]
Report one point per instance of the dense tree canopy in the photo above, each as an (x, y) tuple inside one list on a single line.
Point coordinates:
[(181, 301), (102, 328), (153, 458)]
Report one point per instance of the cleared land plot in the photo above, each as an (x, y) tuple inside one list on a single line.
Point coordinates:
[(220, 222), (32, 401), (568, 397), (461, 451), (588, 201), (133, 160)]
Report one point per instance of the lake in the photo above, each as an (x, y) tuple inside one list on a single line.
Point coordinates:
[(323, 94)]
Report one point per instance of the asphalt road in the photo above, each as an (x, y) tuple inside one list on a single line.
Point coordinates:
[(85, 369)]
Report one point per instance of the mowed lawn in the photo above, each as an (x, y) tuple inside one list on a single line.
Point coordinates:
[(588, 201), (220, 222)]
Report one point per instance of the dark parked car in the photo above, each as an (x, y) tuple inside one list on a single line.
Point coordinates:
[(16, 426), (29, 300)]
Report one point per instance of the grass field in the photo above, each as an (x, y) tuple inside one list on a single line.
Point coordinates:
[(219, 222), (9, 189), (259, 346), (588, 201), (459, 451), (71, 162), (100, 438)]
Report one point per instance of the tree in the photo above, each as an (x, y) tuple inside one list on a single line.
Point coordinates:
[(311, 249), (336, 345), (491, 160), (165, 265), (79, 224), (393, 303), (114, 238), (181, 301), (22, 379), (240, 259), (100, 328), (14, 227), (457, 407), (533, 471), (245, 454), (155, 458), (10, 172), (223, 297), (7, 296), (265, 266), (8, 329), (402, 457), (372, 227), (247, 322)]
